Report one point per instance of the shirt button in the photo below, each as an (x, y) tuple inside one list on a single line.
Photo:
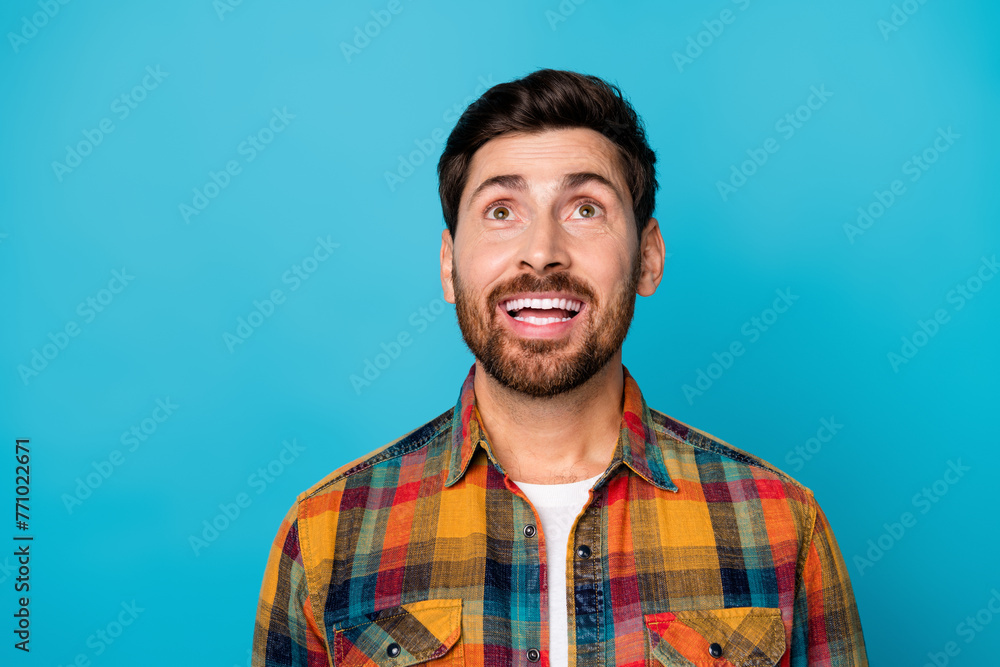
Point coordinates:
[(392, 650), (533, 655), (583, 551), (715, 650), (529, 531)]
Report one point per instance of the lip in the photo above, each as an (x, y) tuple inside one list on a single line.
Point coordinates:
[(545, 331)]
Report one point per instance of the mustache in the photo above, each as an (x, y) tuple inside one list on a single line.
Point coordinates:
[(526, 282)]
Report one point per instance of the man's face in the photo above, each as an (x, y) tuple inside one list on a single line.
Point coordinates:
[(545, 264)]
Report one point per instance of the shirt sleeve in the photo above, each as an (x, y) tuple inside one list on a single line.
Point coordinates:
[(827, 628), (286, 633)]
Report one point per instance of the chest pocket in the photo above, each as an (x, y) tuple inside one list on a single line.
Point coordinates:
[(736, 637), (401, 636)]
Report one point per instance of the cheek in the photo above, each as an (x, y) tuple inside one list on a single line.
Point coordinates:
[(480, 272), (605, 274)]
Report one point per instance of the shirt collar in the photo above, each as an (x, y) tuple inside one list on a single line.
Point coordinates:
[(637, 446)]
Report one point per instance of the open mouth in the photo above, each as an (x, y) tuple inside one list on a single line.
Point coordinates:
[(542, 312)]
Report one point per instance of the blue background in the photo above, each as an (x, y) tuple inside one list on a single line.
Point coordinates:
[(357, 117)]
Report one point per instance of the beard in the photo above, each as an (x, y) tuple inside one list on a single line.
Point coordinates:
[(546, 367)]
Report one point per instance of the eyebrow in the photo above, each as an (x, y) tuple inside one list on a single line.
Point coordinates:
[(509, 181), (518, 183)]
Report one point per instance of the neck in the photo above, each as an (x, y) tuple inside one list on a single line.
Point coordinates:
[(553, 439)]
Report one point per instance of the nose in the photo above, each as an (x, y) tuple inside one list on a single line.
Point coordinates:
[(544, 245)]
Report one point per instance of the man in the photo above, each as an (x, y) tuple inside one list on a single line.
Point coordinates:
[(551, 516)]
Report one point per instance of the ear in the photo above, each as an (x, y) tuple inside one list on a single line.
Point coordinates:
[(447, 256), (652, 255)]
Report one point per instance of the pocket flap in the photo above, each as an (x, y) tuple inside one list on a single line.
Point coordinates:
[(740, 636), (399, 636)]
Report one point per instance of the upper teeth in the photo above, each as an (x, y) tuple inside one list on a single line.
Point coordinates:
[(543, 304)]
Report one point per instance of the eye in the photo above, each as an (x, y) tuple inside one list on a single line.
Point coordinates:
[(588, 210), (500, 213)]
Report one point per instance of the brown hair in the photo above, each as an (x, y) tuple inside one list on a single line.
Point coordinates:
[(550, 99)]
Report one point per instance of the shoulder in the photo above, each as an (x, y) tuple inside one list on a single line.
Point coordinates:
[(405, 450), (717, 460)]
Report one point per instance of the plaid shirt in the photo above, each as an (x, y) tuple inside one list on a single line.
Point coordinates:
[(690, 552)]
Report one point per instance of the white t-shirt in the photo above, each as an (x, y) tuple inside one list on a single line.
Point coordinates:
[(558, 505)]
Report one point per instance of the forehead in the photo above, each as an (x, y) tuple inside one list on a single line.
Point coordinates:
[(546, 156)]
